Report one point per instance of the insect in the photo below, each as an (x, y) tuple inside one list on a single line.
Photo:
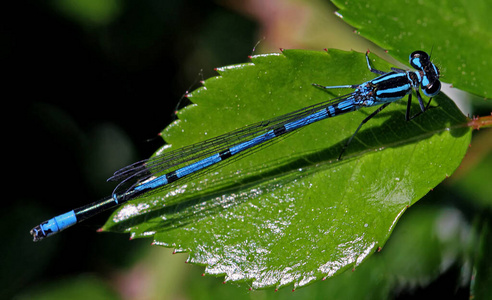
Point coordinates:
[(151, 175)]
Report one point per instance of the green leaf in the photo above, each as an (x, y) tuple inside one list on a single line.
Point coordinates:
[(459, 34), (291, 213)]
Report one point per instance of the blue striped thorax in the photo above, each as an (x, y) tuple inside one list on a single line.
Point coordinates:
[(394, 85)]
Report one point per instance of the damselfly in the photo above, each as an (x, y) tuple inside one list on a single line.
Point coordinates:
[(156, 173)]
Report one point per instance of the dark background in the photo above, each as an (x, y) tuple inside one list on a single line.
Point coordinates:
[(88, 86), (88, 94)]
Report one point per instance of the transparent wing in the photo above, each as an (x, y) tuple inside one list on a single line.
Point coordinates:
[(136, 173)]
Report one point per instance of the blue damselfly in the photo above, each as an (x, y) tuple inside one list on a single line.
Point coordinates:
[(156, 173)]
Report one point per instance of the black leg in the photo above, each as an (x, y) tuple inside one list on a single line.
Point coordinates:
[(360, 126), (409, 104), (422, 107), (397, 70)]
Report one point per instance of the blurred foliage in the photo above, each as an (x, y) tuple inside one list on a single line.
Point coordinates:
[(83, 76), (89, 13)]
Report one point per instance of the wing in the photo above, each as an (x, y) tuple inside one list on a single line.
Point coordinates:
[(136, 173)]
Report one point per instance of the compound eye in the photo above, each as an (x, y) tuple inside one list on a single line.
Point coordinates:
[(418, 59), (432, 89), (419, 54)]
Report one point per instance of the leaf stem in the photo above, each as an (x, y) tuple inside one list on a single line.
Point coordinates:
[(478, 122)]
